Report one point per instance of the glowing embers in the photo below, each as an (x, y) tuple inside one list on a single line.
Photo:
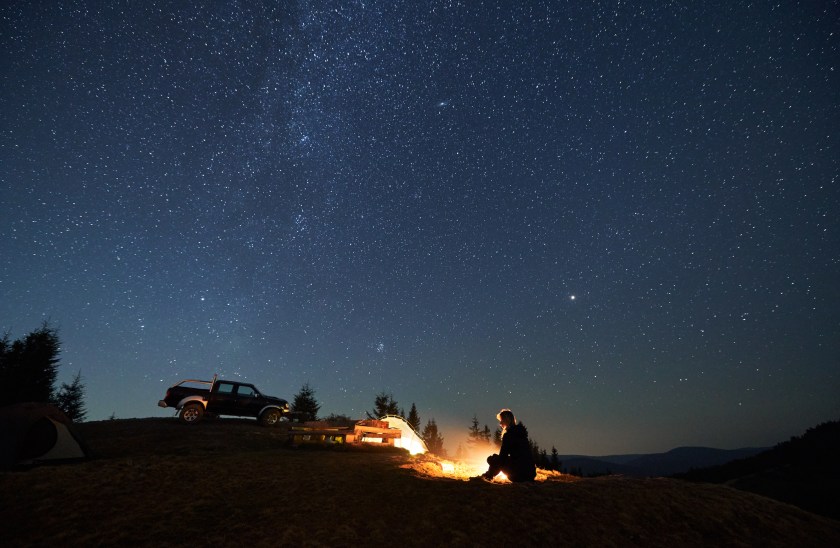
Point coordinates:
[(432, 467)]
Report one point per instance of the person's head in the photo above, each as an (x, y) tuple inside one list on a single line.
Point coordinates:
[(506, 418)]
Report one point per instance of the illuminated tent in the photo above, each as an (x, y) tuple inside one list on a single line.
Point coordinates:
[(409, 439), (32, 433)]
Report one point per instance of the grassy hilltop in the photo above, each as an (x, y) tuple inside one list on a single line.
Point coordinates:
[(156, 482)]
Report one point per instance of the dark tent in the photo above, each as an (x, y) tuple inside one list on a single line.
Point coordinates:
[(32, 433)]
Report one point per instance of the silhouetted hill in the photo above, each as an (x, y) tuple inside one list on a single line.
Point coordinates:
[(580, 465), (681, 459), (802, 471)]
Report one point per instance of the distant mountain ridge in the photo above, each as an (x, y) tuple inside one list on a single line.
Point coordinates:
[(676, 461), (802, 471)]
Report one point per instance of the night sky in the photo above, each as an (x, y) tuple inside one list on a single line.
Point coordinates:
[(619, 219)]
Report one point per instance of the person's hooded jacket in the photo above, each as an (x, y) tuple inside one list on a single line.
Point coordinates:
[(516, 451)]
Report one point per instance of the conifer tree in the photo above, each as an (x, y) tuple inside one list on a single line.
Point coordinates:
[(478, 437), (29, 366), (543, 462), (7, 372), (474, 435), (305, 406), (71, 399), (486, 435), (384, 404), (535, 449), (413, 418), (555, 459), (433, 439)]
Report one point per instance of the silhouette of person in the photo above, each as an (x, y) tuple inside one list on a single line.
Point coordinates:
[(514, 457)]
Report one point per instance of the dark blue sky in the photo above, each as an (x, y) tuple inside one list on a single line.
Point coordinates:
[(618, 219)]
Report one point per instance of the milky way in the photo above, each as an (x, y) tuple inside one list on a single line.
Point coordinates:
[(618, 219)]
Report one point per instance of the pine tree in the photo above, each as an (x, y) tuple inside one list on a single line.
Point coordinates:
[(543, 462), (384, 404), (305, 406), (478, 437), (535, 449), (28, 367), (7, 382), (485, 434), (497, 437), (555, 459), (413, 419), (433, 439), (71, 399), (474, 435)]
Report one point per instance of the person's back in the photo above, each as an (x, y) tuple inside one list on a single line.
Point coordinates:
[(516, 450)]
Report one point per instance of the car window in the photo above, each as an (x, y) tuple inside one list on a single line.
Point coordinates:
[(225, 388), (245, 391)]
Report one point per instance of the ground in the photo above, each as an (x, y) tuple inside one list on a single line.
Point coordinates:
[(157, 482)]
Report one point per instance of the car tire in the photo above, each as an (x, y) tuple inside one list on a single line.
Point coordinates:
[(191, 413), (270, 417)]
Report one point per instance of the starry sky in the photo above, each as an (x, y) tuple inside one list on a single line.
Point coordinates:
[(619, 219)]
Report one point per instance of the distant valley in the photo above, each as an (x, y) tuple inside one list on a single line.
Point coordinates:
[(675, 461)]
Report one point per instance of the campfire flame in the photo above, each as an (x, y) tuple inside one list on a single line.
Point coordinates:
[(432, 466), (460, 469)]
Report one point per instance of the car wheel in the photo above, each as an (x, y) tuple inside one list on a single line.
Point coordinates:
[(192, 413), (270, 417)]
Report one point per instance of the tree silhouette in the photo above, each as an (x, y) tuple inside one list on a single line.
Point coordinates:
[(384, 404), (305, 406), (6, 372), (485, 434), (71, 399), (413, 418), (474, 434), (29, 366), (555, 459), (478, 437), (433, 439), (535, 449)]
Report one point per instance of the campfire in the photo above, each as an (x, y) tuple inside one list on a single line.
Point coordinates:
[(395, 432), (432, 466)]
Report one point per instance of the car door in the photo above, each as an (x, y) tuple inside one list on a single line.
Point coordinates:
[(223, 399), (247, 401)]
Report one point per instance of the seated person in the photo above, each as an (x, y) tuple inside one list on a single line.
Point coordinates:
[(514, 458)]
